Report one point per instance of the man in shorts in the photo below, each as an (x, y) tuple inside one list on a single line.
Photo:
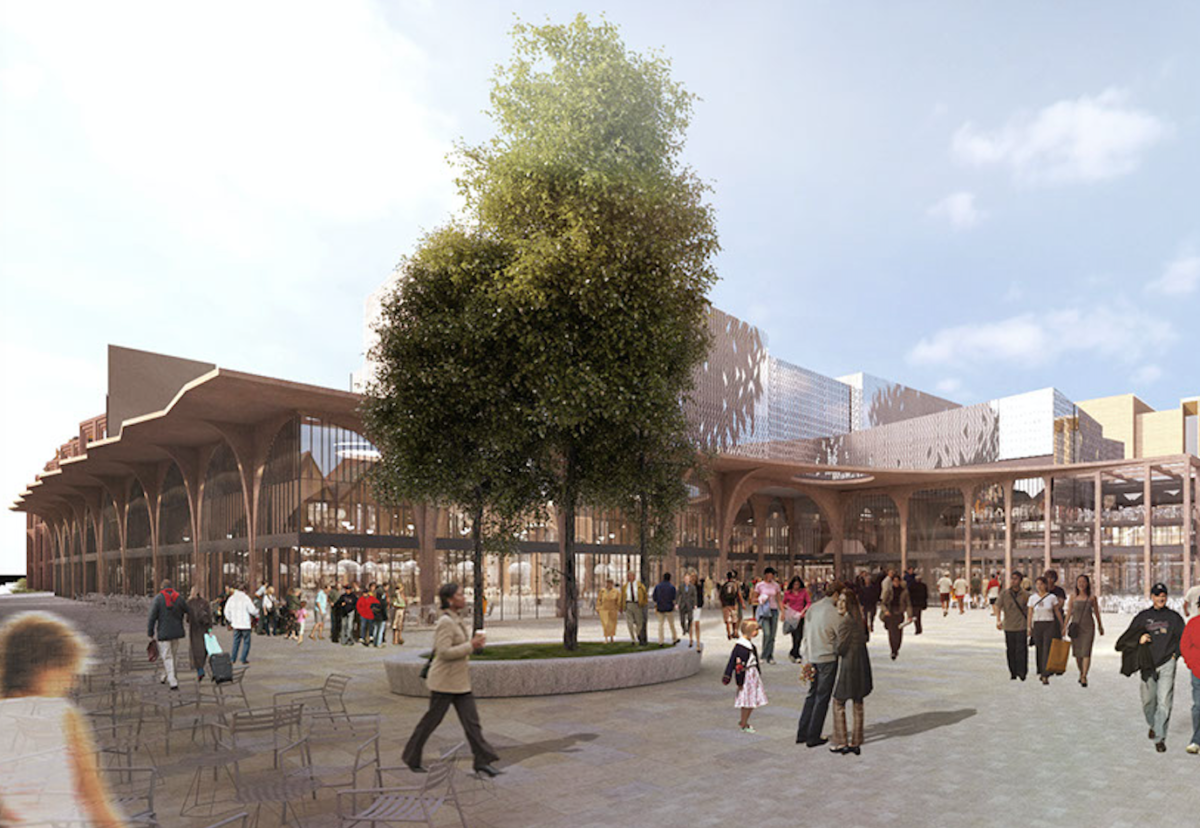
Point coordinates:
[(945, 587), (976, 591), (732, 603), (993, 590), (960, 592)]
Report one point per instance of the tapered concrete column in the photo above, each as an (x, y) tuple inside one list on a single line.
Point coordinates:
[(968, 493), (1187, 524), (1097, 536), (1048, 486), (1008, 528), (1147, 541)]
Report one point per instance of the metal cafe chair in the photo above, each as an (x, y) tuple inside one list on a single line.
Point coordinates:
[(330, 695), (132, 790), (403, 804), (343, 732), (241, 820)]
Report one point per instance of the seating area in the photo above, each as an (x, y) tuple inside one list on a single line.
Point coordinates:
[(300, 757)]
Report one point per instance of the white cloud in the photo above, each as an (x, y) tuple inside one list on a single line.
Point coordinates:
[(1085, 139), (949, 385), (1146, 375), (235, 125), (22, 81), (959, 209), (1039, 339), (1180, 276)]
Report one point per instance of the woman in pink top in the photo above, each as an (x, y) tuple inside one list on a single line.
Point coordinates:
[(796, 602), (767, 591)]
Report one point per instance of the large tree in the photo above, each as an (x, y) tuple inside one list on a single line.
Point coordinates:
[(445, 410), (611, 243)]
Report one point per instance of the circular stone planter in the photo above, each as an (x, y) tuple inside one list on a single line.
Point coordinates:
[(553, 676)]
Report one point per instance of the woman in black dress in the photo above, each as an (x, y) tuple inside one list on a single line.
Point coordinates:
[(854, 682)]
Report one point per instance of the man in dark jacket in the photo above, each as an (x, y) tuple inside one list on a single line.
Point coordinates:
[(344, 608), (1153, 636), (918, 593), (165, 627), (664, 607)]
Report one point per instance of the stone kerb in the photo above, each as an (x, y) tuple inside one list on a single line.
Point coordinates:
[(553, 676)]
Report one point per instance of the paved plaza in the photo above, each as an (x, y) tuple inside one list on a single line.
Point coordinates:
[(948, 738)]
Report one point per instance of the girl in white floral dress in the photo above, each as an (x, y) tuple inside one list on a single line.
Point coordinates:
[(743, 667)]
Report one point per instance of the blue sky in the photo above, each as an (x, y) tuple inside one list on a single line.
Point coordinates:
[(973, 199)]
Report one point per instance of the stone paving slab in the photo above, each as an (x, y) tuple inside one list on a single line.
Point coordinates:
[(945, 728)]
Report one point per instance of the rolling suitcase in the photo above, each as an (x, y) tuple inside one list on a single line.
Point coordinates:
[(220, 665), (1060, 652)]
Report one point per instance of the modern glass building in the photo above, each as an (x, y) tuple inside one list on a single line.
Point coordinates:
[(211, 476)]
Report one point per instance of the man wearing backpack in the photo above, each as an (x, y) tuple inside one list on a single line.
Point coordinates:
[(1012, 618), (165, 626), (732, 603)]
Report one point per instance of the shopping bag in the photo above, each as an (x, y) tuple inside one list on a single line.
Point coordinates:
[(211, 645), (1060, 652)]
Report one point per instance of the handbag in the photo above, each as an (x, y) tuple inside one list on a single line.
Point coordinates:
[(211, 645), (1073, 630), (428, 663), (152, 650)]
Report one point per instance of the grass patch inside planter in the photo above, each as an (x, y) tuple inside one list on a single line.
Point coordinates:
[(514, 652)]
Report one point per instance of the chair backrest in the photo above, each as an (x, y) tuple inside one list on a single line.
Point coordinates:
[(265, 719), (242, 819), (328, 726), (335, 685), (443, 769)]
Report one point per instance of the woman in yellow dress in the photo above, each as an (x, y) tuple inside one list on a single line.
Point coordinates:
[(606, 604)]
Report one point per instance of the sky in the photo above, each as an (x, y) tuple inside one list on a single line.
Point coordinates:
[(973, 199)]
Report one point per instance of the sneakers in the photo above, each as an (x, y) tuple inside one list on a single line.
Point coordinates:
[(1161, 747), (1193, 748), (749, 729)]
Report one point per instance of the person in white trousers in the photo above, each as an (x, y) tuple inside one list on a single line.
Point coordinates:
[(165, 626)]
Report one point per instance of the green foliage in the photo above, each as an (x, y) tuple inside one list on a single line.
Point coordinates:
[(21, 585)]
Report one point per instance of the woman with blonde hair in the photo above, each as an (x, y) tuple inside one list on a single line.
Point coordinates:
[(48, 770), (743, 667)]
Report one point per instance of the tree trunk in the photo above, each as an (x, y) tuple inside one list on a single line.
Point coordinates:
[(570, 603), (477, 558), (644, 560)]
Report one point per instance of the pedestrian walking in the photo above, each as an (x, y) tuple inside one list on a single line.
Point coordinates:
[(767, 595), (1189, 648), (730, 596), (796, 601), (320, 612), (399, 608), (854, 682), (993, 590), (608, 602), (664, 607), (240, 612), (270, 611), (49, 774), (945, 588), (633, 606), (1012, 618), (976, 591), (918, 596), (1151, 646), (1082, 621), (686, 600), (365, 608), (449, 683), (960, 592), (870, 592), (743, 667), (1191, 601), (165, 626), (301, 622), (1059, 593), (1045, 621), (819, 651), (897, 612), (200, 622), (380, 609)]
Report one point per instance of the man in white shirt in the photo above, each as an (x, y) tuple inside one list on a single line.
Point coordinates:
[(238, 611), (633, 605), (961, 585), (945, 586), (1191, 601)]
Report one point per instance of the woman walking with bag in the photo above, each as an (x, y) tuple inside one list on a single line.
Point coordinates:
[(199, 623), (854, 681), (1083, 619), (796, 602), (1045, 616)]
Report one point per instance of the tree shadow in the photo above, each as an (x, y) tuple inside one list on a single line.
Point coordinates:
[(916, 724), (517, 754)]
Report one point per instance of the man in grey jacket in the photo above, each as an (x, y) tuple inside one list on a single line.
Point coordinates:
[(818, 648), (165, 626)]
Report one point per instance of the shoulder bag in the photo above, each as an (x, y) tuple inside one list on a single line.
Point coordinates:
[(428, 663)]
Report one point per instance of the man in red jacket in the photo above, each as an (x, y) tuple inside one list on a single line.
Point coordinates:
[(1189, 648), (366, 615)]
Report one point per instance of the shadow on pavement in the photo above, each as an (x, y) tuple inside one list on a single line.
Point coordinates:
[(517, 754), (913, 725)]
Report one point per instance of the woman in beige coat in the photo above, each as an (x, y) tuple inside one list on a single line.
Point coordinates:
[(449, 683), (608, 604)]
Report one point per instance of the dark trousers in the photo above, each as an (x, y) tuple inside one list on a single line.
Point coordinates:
[(869, 615), (468, 716), (1043, 634), (335, 629), (895, 628), (816, 704), (797, 636), (917, 620), (1017, 644)]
